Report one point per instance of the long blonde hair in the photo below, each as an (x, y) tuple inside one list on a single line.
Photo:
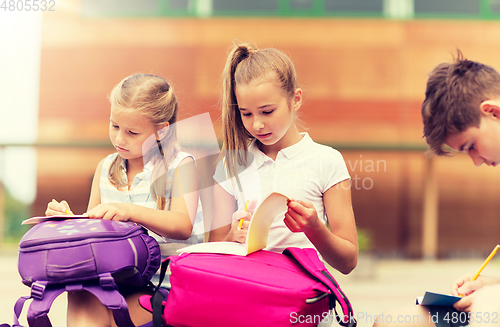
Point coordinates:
[(244, 63), (153, 97)]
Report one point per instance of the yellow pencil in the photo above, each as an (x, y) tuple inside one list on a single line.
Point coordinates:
[(492, 254), (241, 220), (67, 211)]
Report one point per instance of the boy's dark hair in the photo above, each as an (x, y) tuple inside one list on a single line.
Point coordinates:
[(453, 96)]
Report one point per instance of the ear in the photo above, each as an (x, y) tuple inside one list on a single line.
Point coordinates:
[(490, 108), (297, 99), (162, 131)]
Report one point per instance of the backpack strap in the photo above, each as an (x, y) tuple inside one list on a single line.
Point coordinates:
[(159, 297), (308, 258), (43, 296), (18, 308), (113, 300)]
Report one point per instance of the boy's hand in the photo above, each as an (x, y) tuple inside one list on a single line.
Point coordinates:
[(55, 208), (487, 301), (111, 211), (301, 217), (484, 300), (465, 303), (465, 286)]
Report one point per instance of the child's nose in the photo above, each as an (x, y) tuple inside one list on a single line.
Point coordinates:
[(119, 138), (258, 124), (477, 160)]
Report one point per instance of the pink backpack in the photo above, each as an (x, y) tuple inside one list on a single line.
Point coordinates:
[(261, 289)]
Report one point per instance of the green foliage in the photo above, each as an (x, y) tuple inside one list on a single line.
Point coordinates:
[(364, 240), (15, 212)]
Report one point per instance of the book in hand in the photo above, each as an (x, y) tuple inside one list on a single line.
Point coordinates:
[(431, 298), (36, 220), (258, 230)]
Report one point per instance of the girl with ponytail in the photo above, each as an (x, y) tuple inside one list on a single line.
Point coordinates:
[(264, 152)]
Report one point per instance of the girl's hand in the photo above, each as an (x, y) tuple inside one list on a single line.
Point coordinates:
[(301, 217), (111, 211), (240, 222), (55, 208), (465, 286)]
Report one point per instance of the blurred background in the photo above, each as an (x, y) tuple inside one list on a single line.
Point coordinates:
[(362, 64)]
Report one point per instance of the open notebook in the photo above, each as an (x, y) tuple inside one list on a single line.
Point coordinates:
[(258, 230), (36, 220), (431, 298)]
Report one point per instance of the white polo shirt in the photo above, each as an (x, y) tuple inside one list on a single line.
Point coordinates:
[(303, 171)]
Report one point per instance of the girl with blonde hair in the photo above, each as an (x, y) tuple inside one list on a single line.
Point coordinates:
[(149, 181)]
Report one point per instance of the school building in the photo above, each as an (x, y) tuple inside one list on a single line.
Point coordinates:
[(363, 74)]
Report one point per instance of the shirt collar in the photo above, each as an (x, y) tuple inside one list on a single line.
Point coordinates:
[(260, 158), (297, 148)]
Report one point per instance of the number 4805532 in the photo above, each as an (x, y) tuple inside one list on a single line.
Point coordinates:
[(28, 5)]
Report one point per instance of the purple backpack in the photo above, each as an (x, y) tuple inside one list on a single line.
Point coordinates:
[(84, 254)]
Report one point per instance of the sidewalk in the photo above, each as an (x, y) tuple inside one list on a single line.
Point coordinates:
[(395, 283)]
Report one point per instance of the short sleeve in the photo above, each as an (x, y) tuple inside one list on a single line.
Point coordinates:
[(221, 178), (335, 169)]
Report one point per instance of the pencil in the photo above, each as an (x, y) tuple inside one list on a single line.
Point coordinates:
[(241, 220), (67, 211), (492, 254)]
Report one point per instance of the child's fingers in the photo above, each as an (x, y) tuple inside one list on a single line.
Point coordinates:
[(108, 215), (55, 208), (294, 215), (252, 206), (240, 214), (300, 203), (241, 223), (95, 213), (240, 233), (244, 225), (469, 287), (58, 208), (287, 223), (291, 222), (463, 304), (458, 283), (66, 206)]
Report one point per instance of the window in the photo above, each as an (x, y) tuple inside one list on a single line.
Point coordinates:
[(301, 4), (406, 9), (453, 7), (245, 7), (360, 6), (119, 7)]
